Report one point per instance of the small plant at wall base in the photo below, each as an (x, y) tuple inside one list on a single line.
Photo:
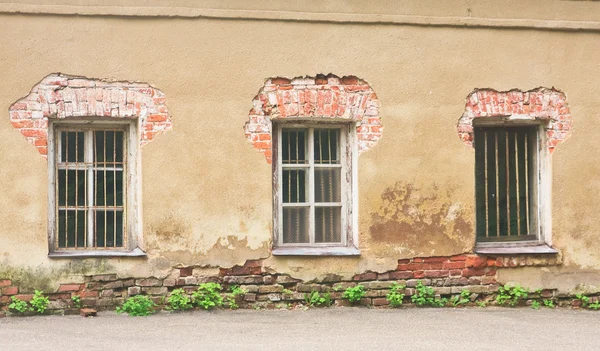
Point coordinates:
[(394, 296), (535, 305), (316, 299), (179, 300), (425, 296), (208, 296), (138, 305), (584, 299), (510, 296), (549, 303), (461, 299), (354, 294), (76, 299), (235, 291), (18, 305), (39, 302)]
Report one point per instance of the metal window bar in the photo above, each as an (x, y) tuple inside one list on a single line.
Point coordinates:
[(505, 184), (79, 201)]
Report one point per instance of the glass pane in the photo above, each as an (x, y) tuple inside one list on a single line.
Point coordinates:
[(328, 225), (295, 225), (119, 146), (99, 146), (70, 228), (80, 225), (109, 188), (109, 146), (119, 229), (62, 229), (99, 231), (71, 187), (326, 144), (327, 184), (293, 146), (71, 147), (294, 184)]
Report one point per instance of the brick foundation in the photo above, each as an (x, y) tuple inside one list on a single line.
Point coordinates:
[(447, 275), (63, 96), (537, 104), (320, 97)]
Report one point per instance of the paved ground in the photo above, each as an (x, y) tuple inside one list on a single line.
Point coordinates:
[(316, 329)]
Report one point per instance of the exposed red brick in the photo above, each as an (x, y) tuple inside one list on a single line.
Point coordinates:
[(5, 282), (538, 104), (476, 261), (435, 259), (280, 80), (401, 275), (403, 261), (318, 97), (419, 274), (10, 290), (186, 271), (470, 272), (59, 296), (436, 274), (380, 301), (70, 287), (365, 276), (24, 297), (458, 258), (88, 97), (453, 265)]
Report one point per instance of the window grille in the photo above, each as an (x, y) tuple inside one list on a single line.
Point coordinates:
[(506, 183), (91, 188), (311, 185)]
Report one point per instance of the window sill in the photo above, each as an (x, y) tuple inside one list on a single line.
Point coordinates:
[(137, 252), (514, 248), (316, 251)]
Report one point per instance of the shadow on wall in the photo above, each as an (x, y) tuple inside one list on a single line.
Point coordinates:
[(421, 221)]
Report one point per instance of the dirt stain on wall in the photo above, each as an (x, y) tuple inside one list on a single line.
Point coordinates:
[(422, 220)]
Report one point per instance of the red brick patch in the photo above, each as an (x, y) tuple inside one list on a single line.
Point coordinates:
[(537, 104), (320, 97), (63, 96)]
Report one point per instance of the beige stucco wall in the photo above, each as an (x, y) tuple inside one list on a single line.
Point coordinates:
[(207, 192)]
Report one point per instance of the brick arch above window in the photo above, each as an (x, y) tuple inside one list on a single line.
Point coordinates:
[(538, 104), (314, 98), (63, 96)]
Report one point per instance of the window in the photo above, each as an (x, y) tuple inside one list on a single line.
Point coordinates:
[(313, 190), (92, 189), (510, 176)]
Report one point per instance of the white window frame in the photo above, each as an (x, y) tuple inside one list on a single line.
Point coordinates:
[(132, 234), (542, 199), (349, 181)]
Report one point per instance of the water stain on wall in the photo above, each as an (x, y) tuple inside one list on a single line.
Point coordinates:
[(422, 220), (226, 252), (45, 278)]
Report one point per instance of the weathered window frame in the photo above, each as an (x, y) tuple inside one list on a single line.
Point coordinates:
[(348, 161), (541, 199), (133, 229)]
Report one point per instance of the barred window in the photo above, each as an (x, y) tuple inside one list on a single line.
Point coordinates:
[(92, 179), (506, 183), (313, 174)]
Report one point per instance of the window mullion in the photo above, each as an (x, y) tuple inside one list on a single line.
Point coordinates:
[(311, 185), (89, 161)]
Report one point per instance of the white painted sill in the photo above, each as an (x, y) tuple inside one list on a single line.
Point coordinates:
[(515, 248), (137, 252), (315, 251)]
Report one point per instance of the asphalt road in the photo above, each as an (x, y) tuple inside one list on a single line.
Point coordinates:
[(316, 329)]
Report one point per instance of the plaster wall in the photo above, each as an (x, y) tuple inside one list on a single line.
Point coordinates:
[(207, 192)]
